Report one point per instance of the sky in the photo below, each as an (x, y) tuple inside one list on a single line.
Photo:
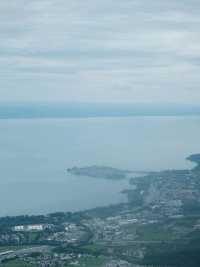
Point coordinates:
[(129, 51)]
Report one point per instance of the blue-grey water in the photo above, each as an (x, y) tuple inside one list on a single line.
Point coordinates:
[(35, 153)]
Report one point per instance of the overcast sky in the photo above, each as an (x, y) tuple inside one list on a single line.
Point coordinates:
[(100, 50)]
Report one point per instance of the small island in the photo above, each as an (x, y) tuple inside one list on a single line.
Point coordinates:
[(100, 172)]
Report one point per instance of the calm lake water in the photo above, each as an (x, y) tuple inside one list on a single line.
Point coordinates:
[(35, 153)]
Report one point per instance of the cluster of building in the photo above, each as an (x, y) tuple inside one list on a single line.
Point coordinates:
[(71, 233), (118, 228)]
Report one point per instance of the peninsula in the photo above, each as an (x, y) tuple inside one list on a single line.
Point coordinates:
[(100, 172)]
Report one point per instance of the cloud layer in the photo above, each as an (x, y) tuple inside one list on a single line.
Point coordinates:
[(100, 51)]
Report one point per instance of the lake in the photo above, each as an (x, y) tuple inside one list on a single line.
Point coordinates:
[(35, 154)]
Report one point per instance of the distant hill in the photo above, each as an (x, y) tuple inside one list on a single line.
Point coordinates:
[(82, 110), (195, 158)]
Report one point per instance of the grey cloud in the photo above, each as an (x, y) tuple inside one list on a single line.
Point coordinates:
[(131, 50)]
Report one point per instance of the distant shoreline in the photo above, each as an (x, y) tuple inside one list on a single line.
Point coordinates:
[(89, 110)]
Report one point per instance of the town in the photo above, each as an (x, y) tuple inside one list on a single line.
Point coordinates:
[(162, 214)]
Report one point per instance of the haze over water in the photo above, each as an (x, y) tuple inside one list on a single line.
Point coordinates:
[(35, 154)]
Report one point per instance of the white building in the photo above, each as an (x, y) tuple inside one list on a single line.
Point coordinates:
[(19, 228), (35, 227), (31, 227)]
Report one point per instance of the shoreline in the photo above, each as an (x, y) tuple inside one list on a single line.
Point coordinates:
[(191, 158)]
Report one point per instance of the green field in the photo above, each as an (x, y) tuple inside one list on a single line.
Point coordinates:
[(93, 248)]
